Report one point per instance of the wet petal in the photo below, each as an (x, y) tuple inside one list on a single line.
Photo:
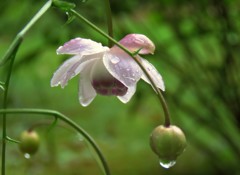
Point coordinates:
[(71, 68), (122, 66), (86, 91), (81, 46), (134, 42), (61, 72), (157, 78), (130, 92)]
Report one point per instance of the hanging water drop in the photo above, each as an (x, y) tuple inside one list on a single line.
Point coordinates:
[(115, 60), (27, 156), (167, 163)]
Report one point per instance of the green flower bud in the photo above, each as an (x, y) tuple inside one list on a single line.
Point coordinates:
[(168, 143), (29, 142)]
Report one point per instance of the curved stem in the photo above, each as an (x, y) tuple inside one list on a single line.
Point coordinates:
[(18, 39), (10, 55), (66, 120), (159, 93), (4, 122), (109, 21)]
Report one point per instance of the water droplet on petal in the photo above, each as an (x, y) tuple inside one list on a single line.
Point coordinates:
[(27, 156), (115, 60), (167, 163)]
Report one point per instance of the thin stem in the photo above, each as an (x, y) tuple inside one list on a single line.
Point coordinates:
[(66, 120), (18, 39), (159, 93), (4, 125), (109, 21), (12, 140), (10, 55)]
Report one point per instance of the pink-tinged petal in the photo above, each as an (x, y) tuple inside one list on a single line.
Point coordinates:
[(71, 68), (81, 46), (130, 92), (86, 91), (157, 78), (134, 42), (61, 72), (122, 67)]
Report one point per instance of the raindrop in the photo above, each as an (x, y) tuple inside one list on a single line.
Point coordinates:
[(115, 60), (27, 156), (167, 164)]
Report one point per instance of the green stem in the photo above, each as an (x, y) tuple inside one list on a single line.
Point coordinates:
[(10, 55), (66, 120), (159, 93), (4, 125), (18, 39), (109, 21), (12, 140)]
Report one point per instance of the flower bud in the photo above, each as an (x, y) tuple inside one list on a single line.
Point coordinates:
[(167, 142), (29, 142)]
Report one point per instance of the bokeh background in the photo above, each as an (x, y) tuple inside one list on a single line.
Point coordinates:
[(197, 53)]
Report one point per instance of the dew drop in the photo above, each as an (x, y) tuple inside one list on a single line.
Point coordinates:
[(167, 164), (27, 156), (115, 60)]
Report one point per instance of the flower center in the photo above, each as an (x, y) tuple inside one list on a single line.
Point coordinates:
[(104, 83), (109, 86)]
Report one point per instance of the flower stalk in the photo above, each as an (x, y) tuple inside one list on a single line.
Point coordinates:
[(67, 121), (10, 55), (109, 21), (167, 121)]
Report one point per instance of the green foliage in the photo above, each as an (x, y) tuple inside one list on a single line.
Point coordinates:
[(197, 52)]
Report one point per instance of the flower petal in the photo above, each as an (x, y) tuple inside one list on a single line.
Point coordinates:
[(86, 92), (157, 78), (61, 72), (81, 46), (130, 92), (122, 67), (134, 42), (71, 68)]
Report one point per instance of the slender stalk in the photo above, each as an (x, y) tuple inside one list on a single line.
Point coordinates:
[(12, 140), (4, 122), (10, 55), (66, 120), (18, 39), (159, 93), (109, 21)]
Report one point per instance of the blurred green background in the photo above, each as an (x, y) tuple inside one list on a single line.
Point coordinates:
[(197, 53)]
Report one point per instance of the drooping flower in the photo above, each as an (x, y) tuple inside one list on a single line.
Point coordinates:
[(106, 71)]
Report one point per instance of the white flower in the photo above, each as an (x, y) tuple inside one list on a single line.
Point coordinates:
[(106, 71)]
